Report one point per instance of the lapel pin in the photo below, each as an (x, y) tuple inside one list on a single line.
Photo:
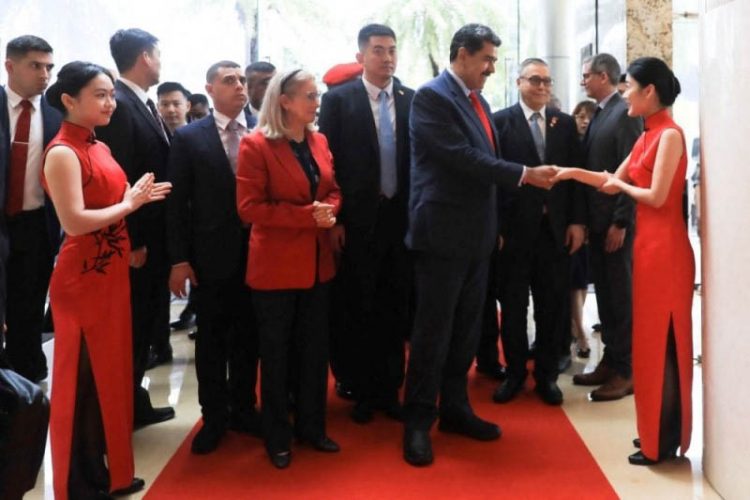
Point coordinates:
[(400, 92), (553, 122)]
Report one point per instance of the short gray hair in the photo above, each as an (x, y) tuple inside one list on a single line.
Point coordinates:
[(605, 63), (528, 62), (271, 116)]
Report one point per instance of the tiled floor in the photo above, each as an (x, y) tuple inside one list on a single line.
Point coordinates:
[(606, 428)]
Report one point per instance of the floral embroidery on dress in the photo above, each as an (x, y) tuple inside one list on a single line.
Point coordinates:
[(109, 242)]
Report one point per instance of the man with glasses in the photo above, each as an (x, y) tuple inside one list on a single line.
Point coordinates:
[(538, 230), (608, 141)]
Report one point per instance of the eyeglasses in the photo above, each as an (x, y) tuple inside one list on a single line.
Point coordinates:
[(537, 81), (313, 95)]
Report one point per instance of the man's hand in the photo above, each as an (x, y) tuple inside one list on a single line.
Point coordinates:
[(138, 257), (338, 238), (541, 177), (179, 274), (574, 237), (615, 239)]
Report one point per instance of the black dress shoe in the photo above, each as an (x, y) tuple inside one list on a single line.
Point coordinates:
[(417, 447), (508, 390), (496, 371), (637, 442), (322, 443), (187, 320), (208, 437), (280, 459), (564, 363), (135, 486), (549, 392), (362, 412), (638, 458), (156, 358), (470, 426), (247, 422), (154, 416), (583, 353), (344, 391)]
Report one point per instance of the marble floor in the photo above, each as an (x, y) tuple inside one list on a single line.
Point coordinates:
[(604, 427)]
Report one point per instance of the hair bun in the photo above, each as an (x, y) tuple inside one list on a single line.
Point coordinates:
[(676, 85)]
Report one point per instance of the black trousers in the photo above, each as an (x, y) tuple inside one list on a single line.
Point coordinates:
[(29, 268), (450, 296), (226, 348), (488, 355), (292, 321), (613, 281), (541, 265), (149, 298)]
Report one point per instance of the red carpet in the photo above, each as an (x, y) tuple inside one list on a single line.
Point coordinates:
[(539, 456)]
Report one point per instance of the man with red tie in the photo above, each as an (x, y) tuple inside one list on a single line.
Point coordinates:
[(27, 124), (452, 231)]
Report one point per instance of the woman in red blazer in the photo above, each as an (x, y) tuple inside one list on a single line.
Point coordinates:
[(287, 191)]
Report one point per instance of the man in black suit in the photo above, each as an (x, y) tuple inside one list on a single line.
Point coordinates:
[(608, 141), (28, 123), (538, 230), (208, 246), (366, 122), (139, 141), (258, 74), (456, 166)]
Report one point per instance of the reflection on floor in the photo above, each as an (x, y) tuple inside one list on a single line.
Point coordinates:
[(606, 428)]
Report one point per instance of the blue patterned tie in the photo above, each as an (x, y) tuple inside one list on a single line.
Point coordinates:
[(387, 142), (536, 133)]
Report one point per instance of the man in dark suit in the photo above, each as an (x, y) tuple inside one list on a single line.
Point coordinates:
[(608, 141), (366, 122), (139, 141), (208, 246), (258, 74), (452, 230), (538, 230), (28, 123)]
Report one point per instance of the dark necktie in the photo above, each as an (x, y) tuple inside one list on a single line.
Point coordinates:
[(482, 116), (536, 133), (19, 154), (387, 144), (157, 117)]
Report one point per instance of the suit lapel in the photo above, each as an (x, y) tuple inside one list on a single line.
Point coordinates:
[(142, 109), (464, 104), (215, 147), (402, 124), (520, 122), (363, 108), (323, 160), (284, 155), (5, 119)]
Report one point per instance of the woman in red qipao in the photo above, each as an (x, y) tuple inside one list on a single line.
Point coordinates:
[(663, 264), (92, 395)]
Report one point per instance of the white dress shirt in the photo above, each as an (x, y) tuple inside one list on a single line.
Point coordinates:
[(542, 120), (142, 95), (373, 92), (221, 125), (33, 193)]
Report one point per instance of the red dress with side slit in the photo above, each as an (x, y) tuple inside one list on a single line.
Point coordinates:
[(90, 299), (663, 279)]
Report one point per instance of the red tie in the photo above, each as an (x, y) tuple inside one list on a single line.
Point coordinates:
[(482, 116), (19, 152)]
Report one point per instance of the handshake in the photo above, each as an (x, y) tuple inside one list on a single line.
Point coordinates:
[(546, 176)]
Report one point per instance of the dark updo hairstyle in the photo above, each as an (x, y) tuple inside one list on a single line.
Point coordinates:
[(71, 79), (653, 71)]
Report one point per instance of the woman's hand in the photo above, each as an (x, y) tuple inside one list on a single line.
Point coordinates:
[(612, 185), (323, 215), (145, 190)]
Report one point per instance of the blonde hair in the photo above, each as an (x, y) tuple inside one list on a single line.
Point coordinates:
[(271, 117)]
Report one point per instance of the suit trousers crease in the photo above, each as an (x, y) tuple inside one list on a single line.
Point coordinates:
[(29, 267), (226, 348), (612, 274), (450, 295), (292, 321), (488, 354), (542, 266)]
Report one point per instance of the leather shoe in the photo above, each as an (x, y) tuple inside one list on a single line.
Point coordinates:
[(617, 388), (280, 459), (549, 392), (496, 371), (508, 390), (158, 358), (192, 334), (637, 442), (344, 391), (322, 443), (187, 320), (599, 376), (136, 485), (154, 416), (583, 353), (247, 422), (417, 447), (638, 458), (362, 413), (470, 426), (208, 437)]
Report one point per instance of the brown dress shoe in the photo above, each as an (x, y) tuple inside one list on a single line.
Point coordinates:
[(617, 388), (599, 376)]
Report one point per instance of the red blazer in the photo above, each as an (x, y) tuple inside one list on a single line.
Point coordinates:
[(273, 194)]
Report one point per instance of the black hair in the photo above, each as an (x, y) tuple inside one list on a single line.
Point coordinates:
[(22, 45), (623, 77), (472, 37), (214, 69), (653, 71), (126, 45), (589, 106), (605, 63), (198, 99), (71, 79), (168, 87), (364, 35), (259, 67)]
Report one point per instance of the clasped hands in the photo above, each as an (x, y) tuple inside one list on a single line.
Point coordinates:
[(323, 215), (605, 182)]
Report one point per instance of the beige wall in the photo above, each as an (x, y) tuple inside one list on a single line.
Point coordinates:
[(725, 135)]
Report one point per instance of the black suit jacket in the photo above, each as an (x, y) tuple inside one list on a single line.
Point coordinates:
[(203, 227), (454, 172), (139, 146), (608, 141), (347, 121), (521, 210)]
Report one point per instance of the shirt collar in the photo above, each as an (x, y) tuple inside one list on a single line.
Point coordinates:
[(604, 101), (135, 88), (223, 120), (527, 111), (15, 100), (374, 91), (460, 82)]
